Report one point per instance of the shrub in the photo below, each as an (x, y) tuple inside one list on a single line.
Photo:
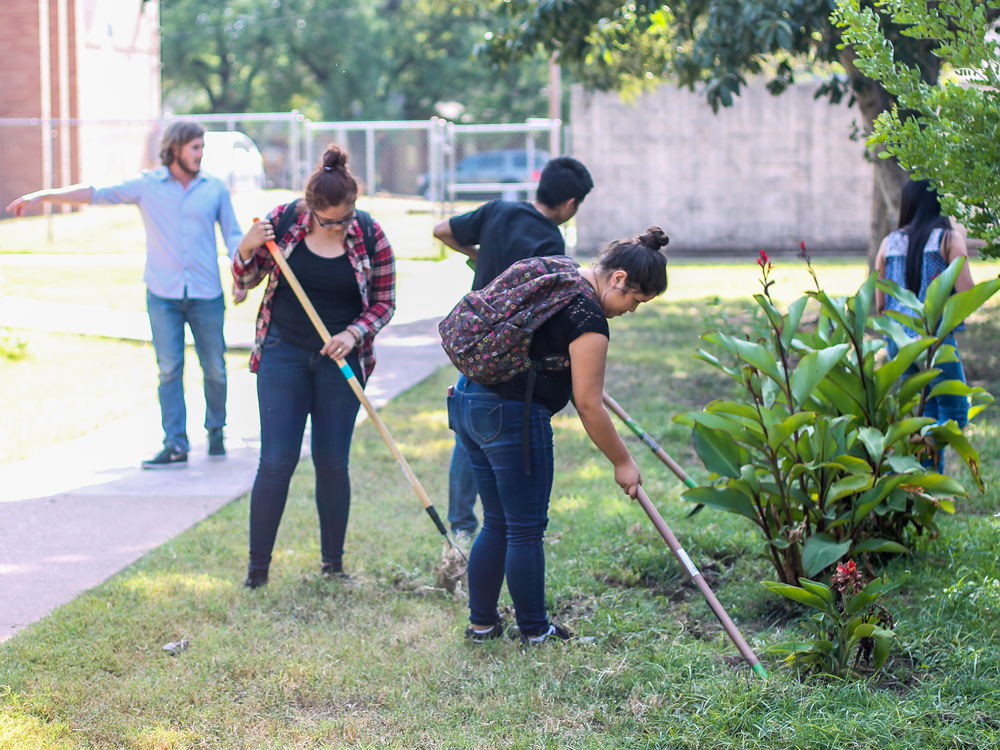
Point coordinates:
[(823, 450)]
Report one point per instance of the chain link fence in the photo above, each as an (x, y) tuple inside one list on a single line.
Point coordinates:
[(413, 173)]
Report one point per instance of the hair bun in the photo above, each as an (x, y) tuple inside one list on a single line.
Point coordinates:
[(654, 238), (334, 158)]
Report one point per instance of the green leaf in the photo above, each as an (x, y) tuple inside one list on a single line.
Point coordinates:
[(728, 499), (792, 321), (904, 464), (779, 433), (939, 290), (914, 384), (812, 368), (744, 411), (956, 388), (904, 296), (749, 474), (848, 486), (944, 354), (892, 329), (822, 550), (934, 482), (815, 587), (862, 304), (887, 375), (777, 322), (753, 354), (714, 361), (867, 502), (879, 545), (880, 653), (904, 428), (797, 594), (874, 442), (854, 465), (718, 451), (962, 305)]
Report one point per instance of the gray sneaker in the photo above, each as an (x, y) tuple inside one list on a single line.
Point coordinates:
[(216, 444)]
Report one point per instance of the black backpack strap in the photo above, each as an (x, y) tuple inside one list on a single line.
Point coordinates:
[(551, 363), (287, 218), (367, 230)]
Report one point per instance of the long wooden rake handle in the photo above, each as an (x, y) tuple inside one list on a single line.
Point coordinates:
[(352, 380), (682, 557), (650, 443)]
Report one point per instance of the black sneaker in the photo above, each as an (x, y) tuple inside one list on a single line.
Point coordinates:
[(169, 458), (216, 444), (498, 630), (331, 571), (256, 579), (555, 632)]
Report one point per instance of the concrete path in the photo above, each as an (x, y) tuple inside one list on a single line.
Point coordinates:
[(75, 514)]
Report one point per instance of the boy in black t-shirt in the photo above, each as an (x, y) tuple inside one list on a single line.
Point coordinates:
[(495, 236)]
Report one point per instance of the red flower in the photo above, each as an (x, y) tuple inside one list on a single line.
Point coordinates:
[(803, 245), (763, 259)]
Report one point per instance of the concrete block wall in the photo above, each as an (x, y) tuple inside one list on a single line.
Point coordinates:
[(763, 174)]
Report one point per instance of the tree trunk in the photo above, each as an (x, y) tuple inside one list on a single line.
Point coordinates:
[(889, 177)]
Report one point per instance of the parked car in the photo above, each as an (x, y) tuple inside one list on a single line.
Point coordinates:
[(508, 165), (235, 159)]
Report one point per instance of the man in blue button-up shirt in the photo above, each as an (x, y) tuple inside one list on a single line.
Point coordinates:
[(180, 206)]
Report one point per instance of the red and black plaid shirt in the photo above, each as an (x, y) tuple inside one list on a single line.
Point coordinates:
[(376, 278)]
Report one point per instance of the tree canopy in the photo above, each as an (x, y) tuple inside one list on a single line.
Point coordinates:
[(947, 132), (341, 59), (715, 44)]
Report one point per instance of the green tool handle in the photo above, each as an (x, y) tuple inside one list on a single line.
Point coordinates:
[(650, 443)]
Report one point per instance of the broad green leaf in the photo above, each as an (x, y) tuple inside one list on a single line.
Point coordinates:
[(714, 361), (815, 587), (718, 451), (726, 499), (779, 433), (904, 464), (848, 486), (735, 426), (857, 602), (939, 290), (854, 465), (792, 321), (831, 309), (744, 411), (904, 428), (880, 653), (841, 402), (916, 383), (892, 329), (792, 647), (962, 305), (874, 442), (862, 305), (935, 482), (950, 433), (906, 321), (797, 595), (956, 388), (749, 474), (821, 551), (903, 296), (777, 322), (944, 354), (812, 368), (976, 410), (879, 545), (753, 354), (891, 371)]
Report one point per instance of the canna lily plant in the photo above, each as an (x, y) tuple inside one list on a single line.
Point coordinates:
[(825, 450)]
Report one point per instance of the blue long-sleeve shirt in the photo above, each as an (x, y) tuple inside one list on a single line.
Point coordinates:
[(181, 254)]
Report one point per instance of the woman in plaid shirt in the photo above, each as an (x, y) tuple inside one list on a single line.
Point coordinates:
[(354, 292)]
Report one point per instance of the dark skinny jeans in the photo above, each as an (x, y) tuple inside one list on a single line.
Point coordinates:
[(515, 504), (293, 383)]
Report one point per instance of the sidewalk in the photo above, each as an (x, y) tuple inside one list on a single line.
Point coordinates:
[(75, 514)]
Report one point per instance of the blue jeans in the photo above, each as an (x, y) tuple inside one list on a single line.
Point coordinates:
[(166, 319), (293, 383), (515, 503), (461, 492), (941, 408)]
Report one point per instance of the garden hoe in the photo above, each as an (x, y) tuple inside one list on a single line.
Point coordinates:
[(345, 368), (682, 557)]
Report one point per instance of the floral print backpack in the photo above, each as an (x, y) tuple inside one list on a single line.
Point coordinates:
[(488, 334)]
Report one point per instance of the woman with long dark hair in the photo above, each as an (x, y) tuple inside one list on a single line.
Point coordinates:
[(346, 266), (912, 256), (513, 467)]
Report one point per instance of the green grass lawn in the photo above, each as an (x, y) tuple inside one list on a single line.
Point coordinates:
[(380, 662)]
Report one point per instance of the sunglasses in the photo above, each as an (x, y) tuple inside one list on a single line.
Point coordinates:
[(337, 223)]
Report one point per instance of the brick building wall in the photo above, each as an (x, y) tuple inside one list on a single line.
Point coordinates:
[(111, 72), (765, 173)]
